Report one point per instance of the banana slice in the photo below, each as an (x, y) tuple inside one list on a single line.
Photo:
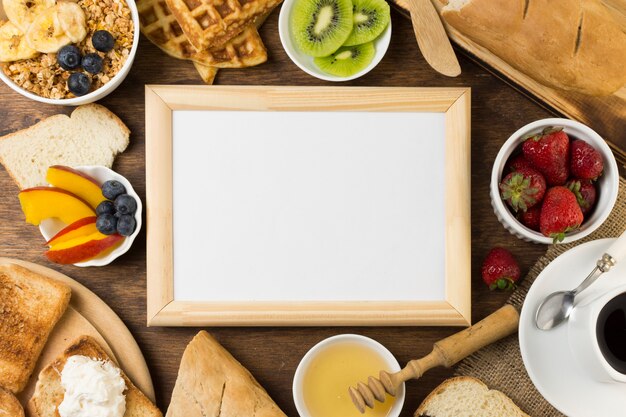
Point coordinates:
[(72, 19), (13, 47), (23, 12), (46, 34)]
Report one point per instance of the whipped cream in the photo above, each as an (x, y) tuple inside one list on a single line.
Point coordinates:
[(93, 388)]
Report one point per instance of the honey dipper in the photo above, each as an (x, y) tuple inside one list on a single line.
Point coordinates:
[(446, 352)]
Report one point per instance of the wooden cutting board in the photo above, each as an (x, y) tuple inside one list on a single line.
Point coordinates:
[(87, 314), (606, 115)]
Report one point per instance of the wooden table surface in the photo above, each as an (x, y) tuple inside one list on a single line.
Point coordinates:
[(272, 354)]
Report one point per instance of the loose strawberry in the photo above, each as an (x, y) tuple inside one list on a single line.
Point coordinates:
[(519, 162), (523, 188), (530, 218), (586, 162), (549, 153), (585, 193), (560, 213), (500, 269)]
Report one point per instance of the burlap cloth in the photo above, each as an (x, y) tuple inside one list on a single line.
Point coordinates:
[(500, 365)]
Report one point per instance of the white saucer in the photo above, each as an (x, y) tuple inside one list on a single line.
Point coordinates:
[(547, 355)]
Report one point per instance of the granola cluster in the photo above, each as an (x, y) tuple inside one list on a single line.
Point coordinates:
[(43, 76)]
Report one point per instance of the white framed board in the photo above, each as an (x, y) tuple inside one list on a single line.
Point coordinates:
[(308, 206)]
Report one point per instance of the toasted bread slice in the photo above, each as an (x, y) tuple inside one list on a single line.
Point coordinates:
[(91, 136), (465, 396), (9, 406), (30, 306), (212, 383), (49, 392)]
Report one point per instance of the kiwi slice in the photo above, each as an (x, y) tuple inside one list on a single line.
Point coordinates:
[(370, 18), (347, 60), (320, 27)]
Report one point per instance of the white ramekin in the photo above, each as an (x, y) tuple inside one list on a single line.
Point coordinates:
[(305, 62), (50, 227), (391, 361), (607, 184), (101, 92)]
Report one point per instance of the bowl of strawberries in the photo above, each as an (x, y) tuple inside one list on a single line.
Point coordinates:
[(554, 181)]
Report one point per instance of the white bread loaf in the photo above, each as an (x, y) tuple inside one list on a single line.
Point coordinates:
[(568, 44), (467, 397), (91, 136)]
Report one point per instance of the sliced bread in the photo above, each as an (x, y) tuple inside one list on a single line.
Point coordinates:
[(212, 383), (49, 392), (30, 306), (9, 406), (467, 397), (91, 136)]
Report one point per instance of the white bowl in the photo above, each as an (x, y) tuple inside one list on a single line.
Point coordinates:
[(391, 361), (305, 62), (607, 184), (50, 227), (95, 95)]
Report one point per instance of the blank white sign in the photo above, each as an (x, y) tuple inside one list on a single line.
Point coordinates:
[(308, 206)]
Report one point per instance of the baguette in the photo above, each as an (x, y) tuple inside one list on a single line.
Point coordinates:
[(49, 392), (212, 383), (9, 406), (91, 136), (567, 44), (30, 306), (465, 396)]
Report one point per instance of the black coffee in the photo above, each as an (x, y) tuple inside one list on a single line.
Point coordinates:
[(611, 332)]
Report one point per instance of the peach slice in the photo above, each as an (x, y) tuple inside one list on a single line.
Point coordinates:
[(83, 248), (40, 203), (82, 227), (77, 183)]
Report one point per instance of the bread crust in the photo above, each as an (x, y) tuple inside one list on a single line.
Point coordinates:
[(45, 125), (30, 306), (568, 44), (49, 392), (212, 383), (9, 406), (421, 410)]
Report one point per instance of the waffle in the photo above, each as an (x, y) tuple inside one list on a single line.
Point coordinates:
[(206, 72), (161, 28), (211, 23)]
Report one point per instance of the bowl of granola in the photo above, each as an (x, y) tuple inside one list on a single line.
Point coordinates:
[(67, 52)]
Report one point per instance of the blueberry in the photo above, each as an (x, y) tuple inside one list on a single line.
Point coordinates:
[(126, 225), (112, 188), (103, 41), (69, 57), (79, 84), (106, 207), (92, 63), (106, 224), (125, 204)]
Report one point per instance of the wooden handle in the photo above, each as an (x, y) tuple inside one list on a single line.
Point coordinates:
[(495, 326), (432, 38), (452, 349)]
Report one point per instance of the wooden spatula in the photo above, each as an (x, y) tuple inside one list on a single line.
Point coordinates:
[(432, 38)]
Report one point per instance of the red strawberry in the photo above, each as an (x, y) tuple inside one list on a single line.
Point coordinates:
[(519, 162), (530, 218), (560, 213), (585, 193), (500, 269), (523, 188), (586, 162), (548, 152)]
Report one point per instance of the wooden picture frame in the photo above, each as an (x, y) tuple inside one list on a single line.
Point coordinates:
[(162, 307)]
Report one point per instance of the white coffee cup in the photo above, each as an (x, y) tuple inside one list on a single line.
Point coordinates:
[(583, 336)]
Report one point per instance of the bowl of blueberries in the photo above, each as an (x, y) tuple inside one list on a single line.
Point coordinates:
[(120, 213)]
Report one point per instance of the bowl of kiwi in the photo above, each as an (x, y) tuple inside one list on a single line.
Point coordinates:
[(335, 40)]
